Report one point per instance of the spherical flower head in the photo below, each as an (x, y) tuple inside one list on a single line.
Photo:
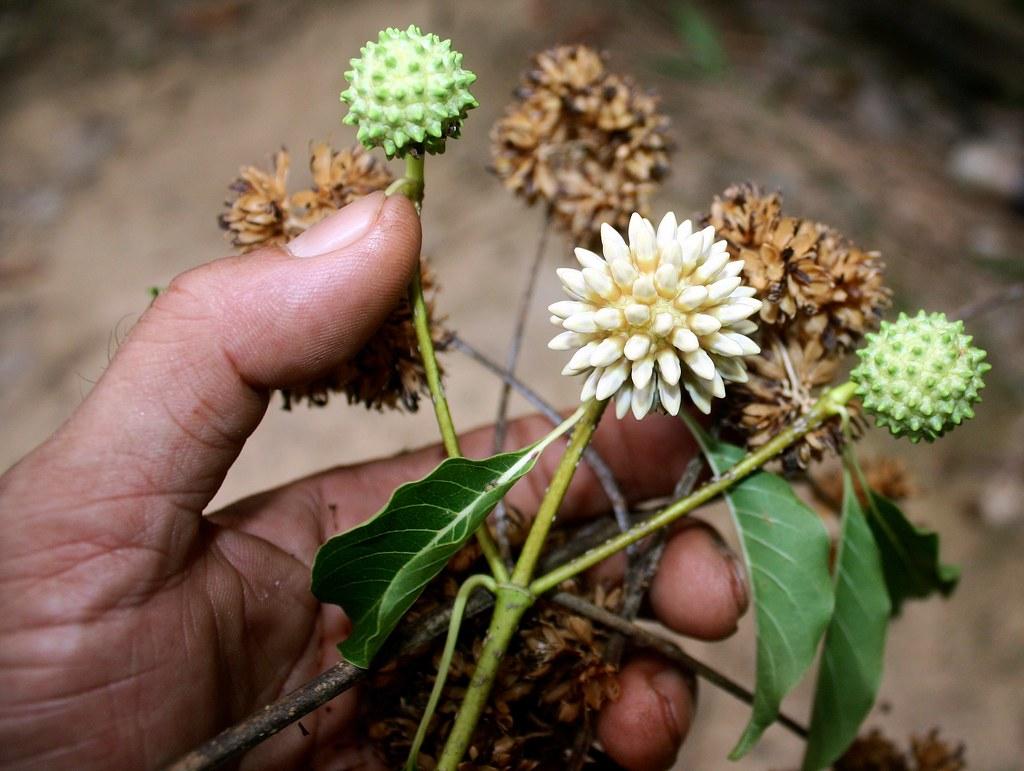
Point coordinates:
[(918, 376), (668, 311), (408, 90)]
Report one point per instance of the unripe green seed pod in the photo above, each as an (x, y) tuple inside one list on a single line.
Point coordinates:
[(919, 376), (407, 91)]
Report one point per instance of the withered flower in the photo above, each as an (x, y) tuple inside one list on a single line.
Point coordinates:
[(388, 370), (589, 143), (872, 752), (809, 276), (931, 753), (784, 382), (886, 475), (339, 178), (258, 211)]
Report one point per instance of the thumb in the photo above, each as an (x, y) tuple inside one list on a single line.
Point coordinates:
[(192, 380)]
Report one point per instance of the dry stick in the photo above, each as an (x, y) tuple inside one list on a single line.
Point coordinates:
[(601, 470), (512, 360), (668, 649)]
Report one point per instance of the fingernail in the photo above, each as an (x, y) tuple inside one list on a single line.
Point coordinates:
[(339, 230), (666, 685), (737, 580)]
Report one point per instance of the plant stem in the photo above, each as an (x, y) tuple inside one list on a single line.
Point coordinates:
[(556, 492), (413, 187), (510, 605), (513, 599), (830, 404), (468, 587)]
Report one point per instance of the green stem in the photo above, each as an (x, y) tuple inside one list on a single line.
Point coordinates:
[(412, 185), (510, 605), (830, 404), (458, 608), (513, 599), (556, 492)]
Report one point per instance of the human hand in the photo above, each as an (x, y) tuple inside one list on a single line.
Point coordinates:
[(132, 627)]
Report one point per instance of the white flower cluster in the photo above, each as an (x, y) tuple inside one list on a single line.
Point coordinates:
[(665, 311)]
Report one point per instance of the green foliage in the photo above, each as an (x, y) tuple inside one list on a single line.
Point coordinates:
[(377, 570), (910, 555), (408, 90), (700, 46), (786, 548), (851, 661), (919, 376)]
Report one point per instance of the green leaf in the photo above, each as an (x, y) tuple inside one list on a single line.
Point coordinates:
[(910, 555), (786, 549), (377, 570), (851, 662)]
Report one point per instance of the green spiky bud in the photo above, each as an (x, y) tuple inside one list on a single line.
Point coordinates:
[(918, 376), (407, 91)]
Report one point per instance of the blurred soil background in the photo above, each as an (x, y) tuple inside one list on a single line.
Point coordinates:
[(122, 123)]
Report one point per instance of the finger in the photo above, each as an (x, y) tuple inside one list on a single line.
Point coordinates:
[(644, 728), (191, 382), (700, 589), (336, 500)]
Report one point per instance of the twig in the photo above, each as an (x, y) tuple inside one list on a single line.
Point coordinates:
[(668, 649), (511, 361), (601, 470), (1007, 294)]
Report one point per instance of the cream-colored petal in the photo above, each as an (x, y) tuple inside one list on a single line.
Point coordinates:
[(731, 313), (573, 282), (711, 266), (667, 231), (609, 318), (668, 365), (731, 368), (700, 363), (748, 346), (670, 396), (624, 273), (708, 235), (698, 395), (566, 308), (607, 352), (623, 400), (684, 231), (637, 347), (613, 377), (663, 323), (612, 244), (692, 251), (723, 288), (721, 344), (601, 283), (685, 340), (566, 341), (703, 324), (581, 322), (643, 289), (643, 400), (590, 385), (666, 280), (580, 361), (691, 298), (589, 259), (718, 386), (638, 314), (643, 371)]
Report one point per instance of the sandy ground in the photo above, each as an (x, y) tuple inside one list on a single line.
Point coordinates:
[(112, 184)]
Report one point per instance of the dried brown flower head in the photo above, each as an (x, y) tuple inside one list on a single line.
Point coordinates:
[(872, 752), (875, 752), (931, 753), (808, 275), (387, 371), (339, 178), (785, 381), (589, 143), (258, 211), (886, 475)]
